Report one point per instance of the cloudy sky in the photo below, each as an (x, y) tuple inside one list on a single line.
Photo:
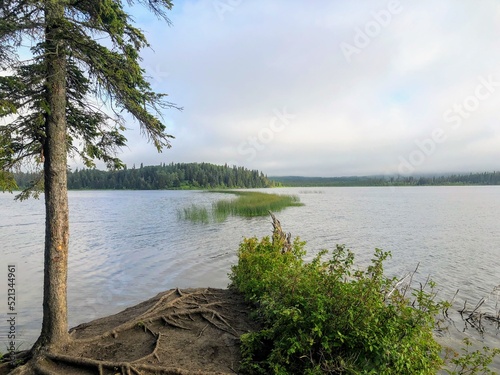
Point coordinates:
[(327, 88)]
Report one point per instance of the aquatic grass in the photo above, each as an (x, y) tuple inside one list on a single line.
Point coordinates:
[(246, 204), (194, 213), (250, 204)]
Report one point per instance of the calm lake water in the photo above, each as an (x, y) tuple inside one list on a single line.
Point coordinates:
[(127, 246)]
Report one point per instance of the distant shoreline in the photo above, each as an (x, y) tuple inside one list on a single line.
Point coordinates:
[(206, 176), (471, 179)]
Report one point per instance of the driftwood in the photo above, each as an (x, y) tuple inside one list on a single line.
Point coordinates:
[(279, 236), (476, 317)]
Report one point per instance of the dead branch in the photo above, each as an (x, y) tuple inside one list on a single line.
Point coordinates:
[(279, 237)]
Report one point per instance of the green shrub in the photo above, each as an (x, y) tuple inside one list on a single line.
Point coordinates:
[(471, 362), (329, 317)]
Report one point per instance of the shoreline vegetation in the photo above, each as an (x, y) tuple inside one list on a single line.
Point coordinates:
[(246, 204), (206, 176), (328, 316)]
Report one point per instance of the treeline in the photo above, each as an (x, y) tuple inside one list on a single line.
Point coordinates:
[(486, 178), (211, 176), (164, 176)]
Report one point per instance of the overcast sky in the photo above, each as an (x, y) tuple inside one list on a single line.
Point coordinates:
[(327, 88)]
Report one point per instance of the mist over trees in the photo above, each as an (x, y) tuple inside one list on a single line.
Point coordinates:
[(485, 178)]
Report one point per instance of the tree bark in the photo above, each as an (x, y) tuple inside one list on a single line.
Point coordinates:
[(55, 322)]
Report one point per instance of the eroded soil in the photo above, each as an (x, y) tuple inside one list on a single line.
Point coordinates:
[(192, 331)]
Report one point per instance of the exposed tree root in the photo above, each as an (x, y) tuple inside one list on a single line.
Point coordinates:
[(124, 368), (160, 336)]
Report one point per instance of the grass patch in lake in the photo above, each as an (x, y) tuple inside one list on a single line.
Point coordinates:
[(246, 204), (249, 204), (194, 213)]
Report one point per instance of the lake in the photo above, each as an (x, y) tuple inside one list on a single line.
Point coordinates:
[(127, 246)]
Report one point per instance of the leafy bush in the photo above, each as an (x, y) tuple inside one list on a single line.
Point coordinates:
[(330, 317), (472, 362)]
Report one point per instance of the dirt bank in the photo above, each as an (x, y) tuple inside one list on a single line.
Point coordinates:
[(192, 331)]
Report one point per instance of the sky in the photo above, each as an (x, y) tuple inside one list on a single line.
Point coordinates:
[(327, 87)]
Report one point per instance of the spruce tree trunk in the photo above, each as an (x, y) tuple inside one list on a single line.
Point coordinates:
[(55, 322)]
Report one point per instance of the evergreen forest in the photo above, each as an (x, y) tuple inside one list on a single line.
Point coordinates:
[(485, 178), (164, 176), (211, 176)]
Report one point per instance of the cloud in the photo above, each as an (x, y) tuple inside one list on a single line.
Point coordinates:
[(233, 64)]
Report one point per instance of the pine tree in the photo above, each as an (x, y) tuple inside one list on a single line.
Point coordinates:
[(47, 102)]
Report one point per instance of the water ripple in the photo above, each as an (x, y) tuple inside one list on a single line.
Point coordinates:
[(127, 246)]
